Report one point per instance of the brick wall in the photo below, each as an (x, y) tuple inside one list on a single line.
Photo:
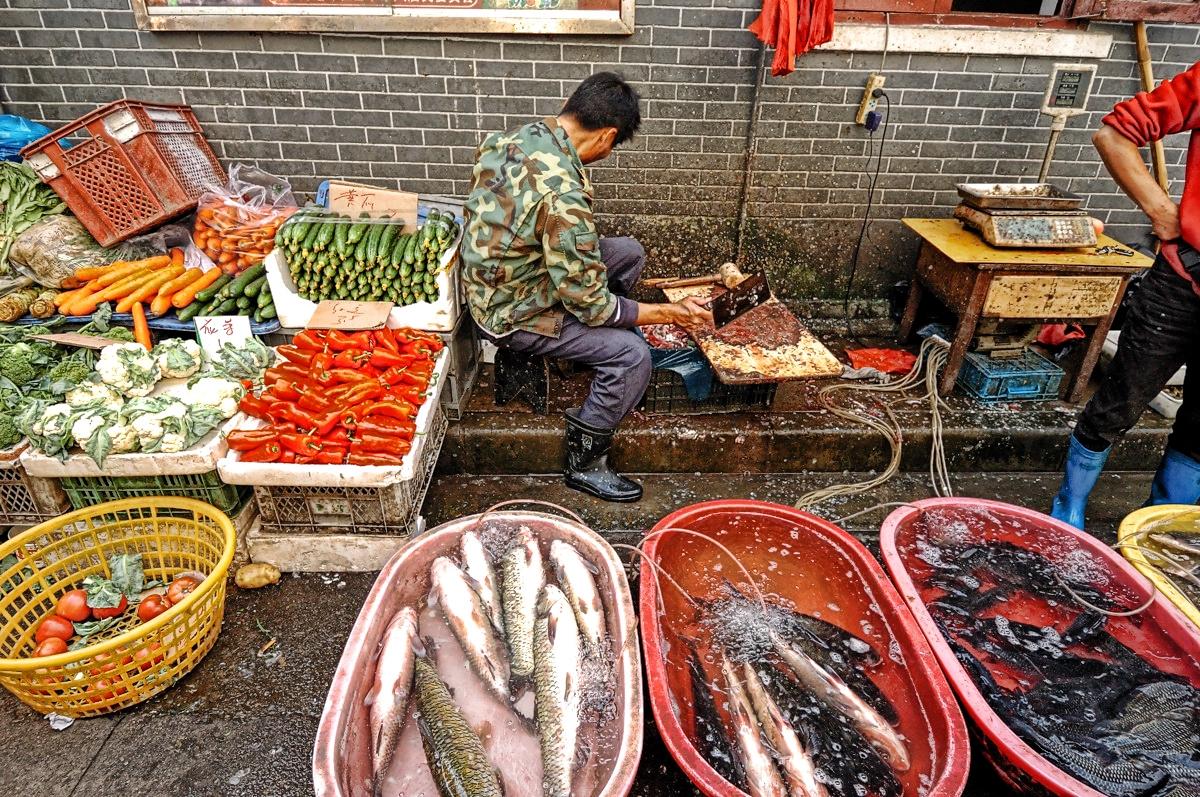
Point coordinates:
[(410, 109)]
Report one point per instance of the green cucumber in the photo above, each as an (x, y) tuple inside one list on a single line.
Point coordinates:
[(373, 238), (339, 235), (410, 253), (254, 287), (190, 312), (328, 228), (358, 230), (239, 285), (243, 303), (264, 297), (396, 257), (224, 308), (208, 293), (310, 236), (385, 242)]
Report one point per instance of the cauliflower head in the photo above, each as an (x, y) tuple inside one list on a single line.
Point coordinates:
[(101, 433), (164, 430), (94, 396), (55, 421), (128, 368), (214, 391), (177, 358)]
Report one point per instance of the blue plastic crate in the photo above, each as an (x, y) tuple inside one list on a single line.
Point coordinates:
[(1030, 377)]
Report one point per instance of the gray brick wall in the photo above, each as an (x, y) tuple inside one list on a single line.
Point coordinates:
[(409, 110)]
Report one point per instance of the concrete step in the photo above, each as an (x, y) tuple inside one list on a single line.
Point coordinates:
[(452, 496)]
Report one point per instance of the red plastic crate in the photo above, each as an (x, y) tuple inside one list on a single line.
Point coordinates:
[(131, 166)]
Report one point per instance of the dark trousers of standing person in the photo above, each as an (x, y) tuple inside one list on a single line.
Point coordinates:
[(1160, 334), (620, 357), (621, 360)]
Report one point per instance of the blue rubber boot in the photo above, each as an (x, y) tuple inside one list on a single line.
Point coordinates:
[(1177, 480), (1083, 469)]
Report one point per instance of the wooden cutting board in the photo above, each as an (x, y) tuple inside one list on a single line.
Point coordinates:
[(767, 344)]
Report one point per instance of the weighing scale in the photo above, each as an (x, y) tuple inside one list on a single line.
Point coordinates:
[(1036, 215)]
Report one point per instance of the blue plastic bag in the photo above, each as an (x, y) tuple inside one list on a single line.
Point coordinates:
[(16, 132), (691, 366)]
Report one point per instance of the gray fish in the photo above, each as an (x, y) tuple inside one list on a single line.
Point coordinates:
[(575, 576), (557, 657), (522, 578), (455, 755), (797, 764), (393, 684), (833, 692), (761, 773), (468, 619), (478, 566)]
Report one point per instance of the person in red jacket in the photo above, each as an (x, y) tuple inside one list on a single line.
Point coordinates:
[(1162, 330)]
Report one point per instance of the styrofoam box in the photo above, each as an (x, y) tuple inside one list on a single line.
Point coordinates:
[(234, 471), (1109, 350), (200, 458), (439, 316)]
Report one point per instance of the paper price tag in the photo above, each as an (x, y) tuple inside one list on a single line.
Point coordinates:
[(335, 314), (381, 203), (214, 331)]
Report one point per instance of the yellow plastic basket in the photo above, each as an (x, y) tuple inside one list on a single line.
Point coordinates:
[(1136, 541), (132, 661)]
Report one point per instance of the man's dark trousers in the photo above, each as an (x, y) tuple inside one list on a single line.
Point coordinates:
[(620, 357), (1161, 333)]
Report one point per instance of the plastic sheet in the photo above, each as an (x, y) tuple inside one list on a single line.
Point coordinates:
[(691, 366), (235, 224), (15, 133)]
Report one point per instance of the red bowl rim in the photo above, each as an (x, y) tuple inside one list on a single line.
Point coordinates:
[(953, 778), (1017, 752)]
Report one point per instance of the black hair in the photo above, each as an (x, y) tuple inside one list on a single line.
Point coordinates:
[(606, 100)]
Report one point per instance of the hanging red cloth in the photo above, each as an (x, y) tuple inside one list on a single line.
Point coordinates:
[(793, 27)]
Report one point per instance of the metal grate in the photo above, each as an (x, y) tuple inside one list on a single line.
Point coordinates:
[(391, 510)]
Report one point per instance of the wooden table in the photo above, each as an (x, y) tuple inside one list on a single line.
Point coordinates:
[(977, 281)]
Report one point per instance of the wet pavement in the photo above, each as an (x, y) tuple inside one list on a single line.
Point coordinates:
[(243, 723)]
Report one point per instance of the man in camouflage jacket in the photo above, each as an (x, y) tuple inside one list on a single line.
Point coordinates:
[(541, 282)]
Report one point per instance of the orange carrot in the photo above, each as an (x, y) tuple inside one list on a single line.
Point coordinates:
[(177, 257), (161, 304), (148, 289), (188, 295), (66, 296), (88, 273), (141, 329), (116, 275), (182, 281), (84, 303), (119, 290), (70, 283)]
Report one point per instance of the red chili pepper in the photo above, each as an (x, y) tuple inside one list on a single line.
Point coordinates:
[(320, 367), (398, 409), (287, 456), (295, 354), (411, 377), (293, 414), (380, 444), (385, 358), (338, 436), (330, 455), (373, 458), (302, 445), (326, 422), (341, 341), (384, 339), (312, 402), (257, 407), (386, 427), (310, 339), (267, 452), (340, 375), (248, 439), (288, 371), (283, 390), (360, 393), (409, 394), (351, 358)]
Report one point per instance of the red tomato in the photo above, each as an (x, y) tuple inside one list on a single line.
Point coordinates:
[(55, 627), (106, 664), (115, 611), (180, 588), (145, 657), (73, 606), (152, 606), (50, 647)]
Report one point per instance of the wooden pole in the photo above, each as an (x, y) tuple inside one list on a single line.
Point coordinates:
[(1157, 155)]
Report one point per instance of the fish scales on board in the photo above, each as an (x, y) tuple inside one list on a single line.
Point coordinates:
[(1087, 702), (576, 577), (455, 755), (557, 657), (522, 578), (477, 564), (390, 691), (468, 619)]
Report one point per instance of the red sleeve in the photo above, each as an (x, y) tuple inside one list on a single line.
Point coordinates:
[(1171, 108)]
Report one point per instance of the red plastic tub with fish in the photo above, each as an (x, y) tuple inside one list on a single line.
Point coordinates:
[(427, 672), (1079, 680), (803, 675)]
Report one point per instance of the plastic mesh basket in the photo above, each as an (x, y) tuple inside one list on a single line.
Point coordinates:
[(132, 661), (130, 167), (85, 491), (26, 499), (667, 394)]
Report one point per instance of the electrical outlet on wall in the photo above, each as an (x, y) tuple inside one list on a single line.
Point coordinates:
[(869, 102)]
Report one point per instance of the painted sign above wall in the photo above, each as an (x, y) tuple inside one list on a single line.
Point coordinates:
[(384, 16)]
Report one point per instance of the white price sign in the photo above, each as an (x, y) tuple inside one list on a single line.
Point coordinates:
[(214, 331)]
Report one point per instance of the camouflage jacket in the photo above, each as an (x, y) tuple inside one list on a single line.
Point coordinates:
[(530, 249)]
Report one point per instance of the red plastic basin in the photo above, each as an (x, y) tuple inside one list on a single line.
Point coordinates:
[(1160, 634), (827, 573)]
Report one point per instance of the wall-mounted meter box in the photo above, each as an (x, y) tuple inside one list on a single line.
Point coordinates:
[(1069, 89)]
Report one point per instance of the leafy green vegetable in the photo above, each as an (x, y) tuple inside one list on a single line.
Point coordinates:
[(10, 435), (102, 593), (91, 628), (23, 200), (127, 573)]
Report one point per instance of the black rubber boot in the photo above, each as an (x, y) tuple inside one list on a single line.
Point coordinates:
[(587, 467)]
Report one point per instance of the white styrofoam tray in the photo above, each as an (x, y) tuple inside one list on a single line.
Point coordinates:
[(234, 471), (439, 316), (1109, 350), (200, 458)]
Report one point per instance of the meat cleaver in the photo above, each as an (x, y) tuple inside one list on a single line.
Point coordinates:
[(739, 299)]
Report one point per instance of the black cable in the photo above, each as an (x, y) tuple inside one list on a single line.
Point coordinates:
[(862, 232)]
